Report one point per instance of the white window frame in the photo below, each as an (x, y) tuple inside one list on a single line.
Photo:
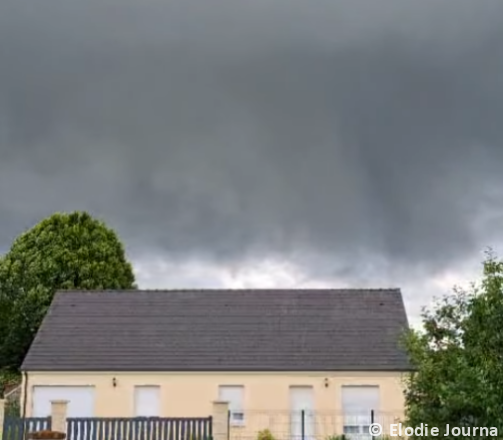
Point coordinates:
[(357, 423), (234, 395)]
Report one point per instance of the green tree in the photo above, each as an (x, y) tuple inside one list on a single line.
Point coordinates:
[(64, 251), (458, 358)]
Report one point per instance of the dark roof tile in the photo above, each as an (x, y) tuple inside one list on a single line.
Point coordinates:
[(211, 330)]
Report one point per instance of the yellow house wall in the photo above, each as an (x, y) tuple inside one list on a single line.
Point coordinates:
[(266, 395)]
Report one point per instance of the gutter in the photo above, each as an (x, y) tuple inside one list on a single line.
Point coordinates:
[(25, 393)]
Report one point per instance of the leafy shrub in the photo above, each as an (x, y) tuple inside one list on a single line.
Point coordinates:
[(265, 434), (12, 408), (336, 437)]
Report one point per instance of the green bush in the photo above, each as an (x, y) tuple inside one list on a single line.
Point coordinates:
[(336, 437), (265, 434), (12, 408)]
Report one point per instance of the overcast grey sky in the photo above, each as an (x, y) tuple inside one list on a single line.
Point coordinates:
[(358, 141)]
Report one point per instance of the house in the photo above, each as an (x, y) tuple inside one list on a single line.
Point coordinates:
[(335, 354)]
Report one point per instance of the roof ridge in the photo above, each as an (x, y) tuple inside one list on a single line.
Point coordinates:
[(258, 289)]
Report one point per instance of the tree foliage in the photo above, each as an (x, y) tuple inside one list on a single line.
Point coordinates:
[(64, 251), (458, 358)]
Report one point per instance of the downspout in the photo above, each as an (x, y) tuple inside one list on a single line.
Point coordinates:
[(25, 392)]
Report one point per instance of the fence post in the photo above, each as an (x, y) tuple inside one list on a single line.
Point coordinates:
[(372, 420), (58, 415), (303, 425), (220, 420), (2, 416)]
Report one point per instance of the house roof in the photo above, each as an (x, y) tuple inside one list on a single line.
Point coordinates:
[(222, 330)]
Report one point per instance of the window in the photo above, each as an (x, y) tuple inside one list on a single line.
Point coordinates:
[(358, 402), (147, 401), (234, 395)]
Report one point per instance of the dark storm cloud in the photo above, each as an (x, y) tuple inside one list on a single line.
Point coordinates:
[(223, 128)]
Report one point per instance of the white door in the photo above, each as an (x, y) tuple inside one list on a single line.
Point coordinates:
[(301, 404), (147, 401), (358, 402), (80, 400)]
